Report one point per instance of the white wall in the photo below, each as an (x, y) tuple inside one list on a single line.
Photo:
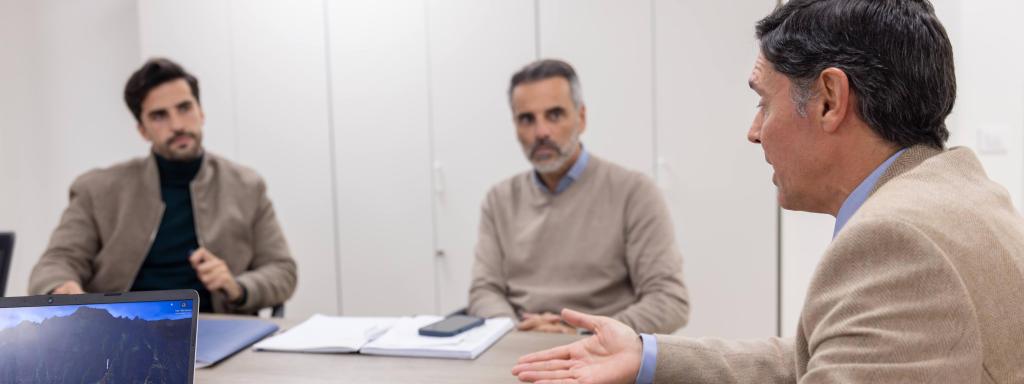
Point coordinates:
[(474, 47), (61, 110), (716, 182), (382, 150)]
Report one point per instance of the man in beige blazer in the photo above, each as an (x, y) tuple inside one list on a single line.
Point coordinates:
[(924, 279), (176, 219)]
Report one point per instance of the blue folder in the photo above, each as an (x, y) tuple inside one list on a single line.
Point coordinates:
[(219, 338)]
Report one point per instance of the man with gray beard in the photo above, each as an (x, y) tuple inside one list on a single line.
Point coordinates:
[(576, 231)]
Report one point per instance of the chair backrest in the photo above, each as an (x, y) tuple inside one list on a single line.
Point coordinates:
[(6, 251)]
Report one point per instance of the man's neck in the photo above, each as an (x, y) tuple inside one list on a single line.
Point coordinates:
[(857, 165), (552, 179)]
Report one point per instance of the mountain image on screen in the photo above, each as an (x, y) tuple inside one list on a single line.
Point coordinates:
[(92, 346)]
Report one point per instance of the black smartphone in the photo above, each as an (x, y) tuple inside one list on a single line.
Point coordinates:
[(451, 326)]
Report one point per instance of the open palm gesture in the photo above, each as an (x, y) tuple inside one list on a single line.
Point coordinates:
[(611, 355)]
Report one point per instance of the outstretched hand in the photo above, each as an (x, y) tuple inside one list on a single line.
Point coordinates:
[(611, 355)]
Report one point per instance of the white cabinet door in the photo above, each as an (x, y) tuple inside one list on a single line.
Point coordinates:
[(61, 111), (804, 237), (279, 72), (717, 184), (609, 43), (378, 76), (475, 47)]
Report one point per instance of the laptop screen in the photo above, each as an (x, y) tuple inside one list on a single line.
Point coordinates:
[(127, 342)]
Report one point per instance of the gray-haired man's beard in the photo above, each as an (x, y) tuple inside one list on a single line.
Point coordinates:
[(555, 163)]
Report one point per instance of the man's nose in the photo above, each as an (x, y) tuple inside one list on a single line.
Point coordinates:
[(176, 122), (543, 130), (754, 133)]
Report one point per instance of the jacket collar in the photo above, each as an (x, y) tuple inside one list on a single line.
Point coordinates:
[(910, 158)]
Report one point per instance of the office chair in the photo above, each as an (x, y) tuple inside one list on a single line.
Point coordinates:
[(277, 311), (6, 252)]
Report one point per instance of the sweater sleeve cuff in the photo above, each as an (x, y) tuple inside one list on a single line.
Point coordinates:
[(649, 361)]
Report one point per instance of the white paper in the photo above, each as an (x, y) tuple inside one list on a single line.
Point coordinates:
[(328, 334), (403, 339)]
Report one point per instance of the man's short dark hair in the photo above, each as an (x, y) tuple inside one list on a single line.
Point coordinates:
[(153, 73), (895, 52), (546, 69)]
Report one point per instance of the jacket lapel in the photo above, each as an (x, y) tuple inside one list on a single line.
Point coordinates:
[(145, 209)]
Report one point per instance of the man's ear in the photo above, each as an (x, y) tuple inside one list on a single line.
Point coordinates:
[(142, 131), (583, 118), (835, 97)]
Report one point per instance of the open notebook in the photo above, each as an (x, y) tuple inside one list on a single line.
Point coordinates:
[(392, 336)]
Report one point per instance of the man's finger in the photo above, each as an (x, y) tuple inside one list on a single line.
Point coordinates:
[(197, 256), (528, 324), (208, 267), (556, 353), (548, 365), (551, 328), (551, 317), (559, 381), (546, 375), (580, 319)]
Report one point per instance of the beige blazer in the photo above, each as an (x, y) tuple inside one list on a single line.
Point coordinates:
[(924, 284), (114, 213)]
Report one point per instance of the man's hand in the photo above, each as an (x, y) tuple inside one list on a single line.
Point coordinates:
[(545, 322), (611, 355), (214, 274), (69, 287)]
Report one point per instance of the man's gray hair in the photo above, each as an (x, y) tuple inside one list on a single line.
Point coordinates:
[(545, 69)]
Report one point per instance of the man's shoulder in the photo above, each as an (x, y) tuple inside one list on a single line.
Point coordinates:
[(111, 176), (945, 186), (236, 174), (947, 199), (611, 177), (511, 186)]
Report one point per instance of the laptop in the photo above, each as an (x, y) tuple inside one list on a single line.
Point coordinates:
[(137, 337), (6, 250)]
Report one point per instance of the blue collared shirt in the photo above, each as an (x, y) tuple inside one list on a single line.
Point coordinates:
[(574, 173), (649, 361), (849, 207), (860, 194)]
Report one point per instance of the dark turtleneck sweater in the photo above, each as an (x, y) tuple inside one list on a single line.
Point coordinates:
[(167, 266)]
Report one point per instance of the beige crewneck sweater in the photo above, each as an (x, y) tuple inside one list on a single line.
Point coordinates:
[(604, 246)]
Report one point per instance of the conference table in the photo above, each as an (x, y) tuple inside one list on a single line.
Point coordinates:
[(493, 366)]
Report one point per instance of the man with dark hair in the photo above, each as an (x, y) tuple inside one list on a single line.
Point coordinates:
[(924, 279), (576, 231), (176, 219)]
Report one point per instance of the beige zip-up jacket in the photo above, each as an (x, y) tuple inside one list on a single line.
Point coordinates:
[(114, 213)]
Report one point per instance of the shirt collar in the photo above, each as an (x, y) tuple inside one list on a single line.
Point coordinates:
[(860, 194), (574, 173)]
